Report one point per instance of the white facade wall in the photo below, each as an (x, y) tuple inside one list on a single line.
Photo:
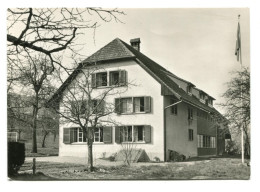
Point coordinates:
[(143, 85)]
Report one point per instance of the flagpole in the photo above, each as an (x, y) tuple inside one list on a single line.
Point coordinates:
[(241, 90)]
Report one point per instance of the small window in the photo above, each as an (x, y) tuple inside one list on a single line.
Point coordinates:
[(81, 137), (114, 78), (77, 108), (138, 133), (174, 109), (189, 89), (190, 135), (190, 113), (202, 96), (101, 79), (127, 133), (139, 104), (98, 134), (126, 105)]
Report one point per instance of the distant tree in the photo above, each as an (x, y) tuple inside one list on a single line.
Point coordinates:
[(48, 123), (33, 75), (237, 105)]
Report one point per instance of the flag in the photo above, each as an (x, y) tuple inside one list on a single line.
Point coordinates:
[(238, 43)]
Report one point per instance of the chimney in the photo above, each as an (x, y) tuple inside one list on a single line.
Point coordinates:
[(135, 43)]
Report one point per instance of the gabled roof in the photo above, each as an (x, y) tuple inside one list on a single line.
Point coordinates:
[(113, 50), (118, 49)]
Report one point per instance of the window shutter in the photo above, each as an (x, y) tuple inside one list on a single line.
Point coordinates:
[(66, 135), (107, 134), (73, 108), (117, 106), (147, 104), (101, 107), (117, 134), (93, 80), (110, 78), (147, 134), (122, 78)]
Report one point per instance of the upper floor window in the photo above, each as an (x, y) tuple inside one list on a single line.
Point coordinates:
[(101, 79), (189, 89), (190, 113), (118, 78), (133, 105), (126, 105), (202, 96), (174, 109), (114, 78), (84, 107), (139, 104)]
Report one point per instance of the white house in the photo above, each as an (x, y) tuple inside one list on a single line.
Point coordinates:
[(161, 112)]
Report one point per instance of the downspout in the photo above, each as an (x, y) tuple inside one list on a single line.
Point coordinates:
[(164, 122)]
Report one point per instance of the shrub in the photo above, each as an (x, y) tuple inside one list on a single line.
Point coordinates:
[(231, 148), (16, 157)]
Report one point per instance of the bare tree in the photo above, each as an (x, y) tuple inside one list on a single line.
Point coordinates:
[(18, 119), (33, 74), (237, 105), (87, 107), (51, 30), (49, 123)]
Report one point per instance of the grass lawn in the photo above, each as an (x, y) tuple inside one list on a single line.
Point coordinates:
[(51, 148), (212, 168)]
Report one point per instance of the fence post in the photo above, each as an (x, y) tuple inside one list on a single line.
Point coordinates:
[(34, 166)]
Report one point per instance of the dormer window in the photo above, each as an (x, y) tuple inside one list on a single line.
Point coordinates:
[(202, 97), (210, 102), (189, 88)]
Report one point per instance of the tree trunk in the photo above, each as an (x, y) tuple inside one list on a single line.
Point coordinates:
[(54, 136), (43, 140), (34, 125), (90, 156)]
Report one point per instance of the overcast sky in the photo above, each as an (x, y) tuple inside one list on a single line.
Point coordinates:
[(195, 44)]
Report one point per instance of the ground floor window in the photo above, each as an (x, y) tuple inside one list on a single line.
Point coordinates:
[(205, 141), (132, 133)]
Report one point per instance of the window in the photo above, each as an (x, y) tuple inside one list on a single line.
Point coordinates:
[(114, 78), (98, 106), (127, 105), (190, 113), (73, 135), (190, 135), (139, 104), (127, 133), (101, 79), (138, 133), (133, 133), (78, 107), (202, 96), (206, 141), (133, 105), (189, 89), (174, 109), (98, 134), (200, 141), (118, 78)]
